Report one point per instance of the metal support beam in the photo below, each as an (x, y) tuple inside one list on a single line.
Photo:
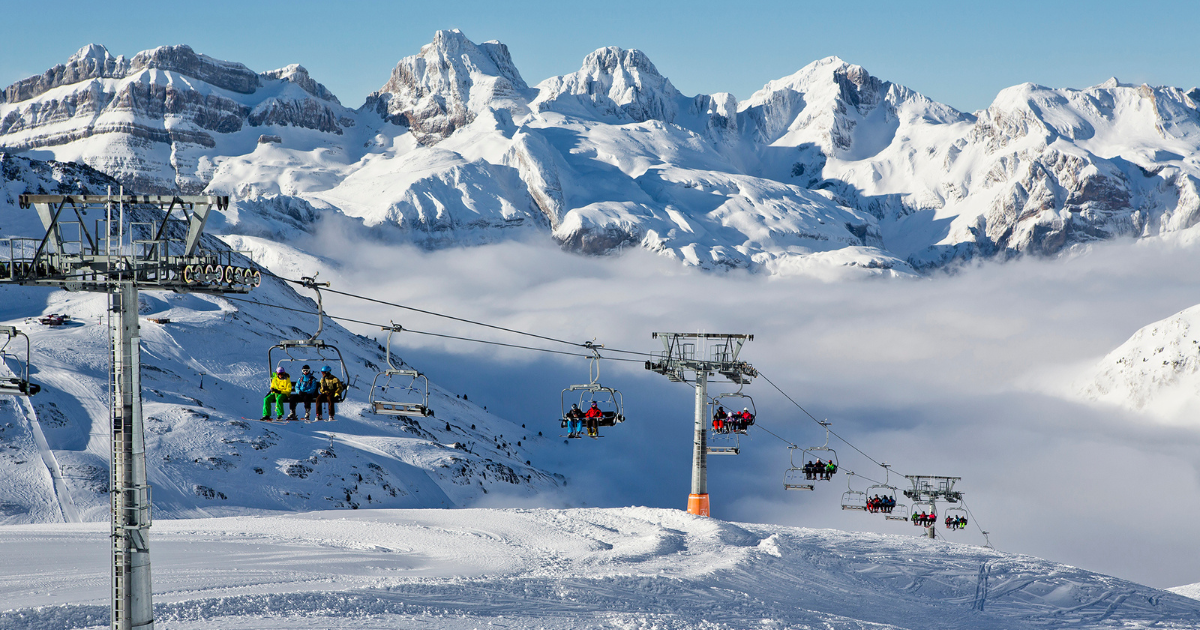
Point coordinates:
[(131, 602), (718, 356), (80, 265), (698, 499)]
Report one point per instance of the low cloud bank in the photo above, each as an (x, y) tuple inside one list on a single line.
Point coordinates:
[(961, 374)]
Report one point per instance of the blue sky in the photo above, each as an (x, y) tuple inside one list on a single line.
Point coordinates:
[(957, 53)]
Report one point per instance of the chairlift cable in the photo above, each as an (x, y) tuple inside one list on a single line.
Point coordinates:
[(431, 334), (461, 319), (814, 419)]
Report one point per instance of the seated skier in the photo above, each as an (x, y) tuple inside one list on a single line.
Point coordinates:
[(719, 420), (593, 417), (574, 422), (745, 419), (331, 390), (307, 387), (281, 387)]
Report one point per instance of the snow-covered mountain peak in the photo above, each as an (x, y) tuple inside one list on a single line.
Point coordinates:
[(229, 75), (296, 73), (90, 62), (445, 86), (93, 53), (839, 108), (612, 83)]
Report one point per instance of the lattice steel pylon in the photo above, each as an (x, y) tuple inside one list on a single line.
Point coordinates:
[(931, 489), (718, 354), (159, 250)]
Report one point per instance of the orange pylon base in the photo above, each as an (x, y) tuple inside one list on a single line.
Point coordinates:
[(698, 504)]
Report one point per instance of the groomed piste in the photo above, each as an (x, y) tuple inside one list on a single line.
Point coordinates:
[(579, 568)]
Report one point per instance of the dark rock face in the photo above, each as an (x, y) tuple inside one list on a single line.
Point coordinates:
[(308, 114), (296, 73), (182, 59), (92, 62)]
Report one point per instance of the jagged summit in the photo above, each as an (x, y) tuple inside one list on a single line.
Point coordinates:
[(814, 164), (447, 84), (839, 107), (90, 62), (612, 83), (296, 73), (153, 120)]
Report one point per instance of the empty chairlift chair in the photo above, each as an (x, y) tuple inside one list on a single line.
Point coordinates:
[(794, 478), (853, 499), (385, 404), (17, 385)]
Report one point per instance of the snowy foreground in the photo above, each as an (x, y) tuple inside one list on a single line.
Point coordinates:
[(623, 568)]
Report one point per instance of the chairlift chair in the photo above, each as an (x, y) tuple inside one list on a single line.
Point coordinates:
[(610, 401), (853, 499), (885, 490), (819, 452), (722, 442), (17, 385), (324, 352), (396, 408), (793, 477), (747, 403), (954, 513), (929, 507)]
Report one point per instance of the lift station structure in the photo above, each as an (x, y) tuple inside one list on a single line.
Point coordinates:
[(691, 358), (929, 489), (118, 244)]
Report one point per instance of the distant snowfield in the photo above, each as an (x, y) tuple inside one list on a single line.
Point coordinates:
[(616, 568), (1188, 590)]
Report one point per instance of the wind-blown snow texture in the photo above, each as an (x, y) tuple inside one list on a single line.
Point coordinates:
[(202, 375), (625, 568), (828, 166), (1156, 371)]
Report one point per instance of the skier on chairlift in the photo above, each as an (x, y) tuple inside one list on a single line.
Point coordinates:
[(744, 419), (331, 389), (281, 387), (830, 470), (719, 420), (593, 417), (574, 422), (307, 388)]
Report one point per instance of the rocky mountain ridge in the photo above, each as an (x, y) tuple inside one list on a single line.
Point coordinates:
[(830, 166)]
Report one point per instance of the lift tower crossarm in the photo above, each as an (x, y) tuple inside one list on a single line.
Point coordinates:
[(720, 356)]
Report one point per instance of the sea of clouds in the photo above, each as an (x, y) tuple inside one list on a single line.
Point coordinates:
[(970, 374)]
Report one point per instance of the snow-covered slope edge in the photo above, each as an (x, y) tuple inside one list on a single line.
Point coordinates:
[(203, 373), (1187, 590), (629, 567), (1157, 371)]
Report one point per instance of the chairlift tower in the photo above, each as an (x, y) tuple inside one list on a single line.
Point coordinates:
[(116, 244), (717, 355), (931, 489)]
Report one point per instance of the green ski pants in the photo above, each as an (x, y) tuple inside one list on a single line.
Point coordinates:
[(278, 399)]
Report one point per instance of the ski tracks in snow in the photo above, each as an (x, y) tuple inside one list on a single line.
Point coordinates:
[(66, 504)]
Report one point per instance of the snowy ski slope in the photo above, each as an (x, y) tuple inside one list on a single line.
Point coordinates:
[(583, 568)]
